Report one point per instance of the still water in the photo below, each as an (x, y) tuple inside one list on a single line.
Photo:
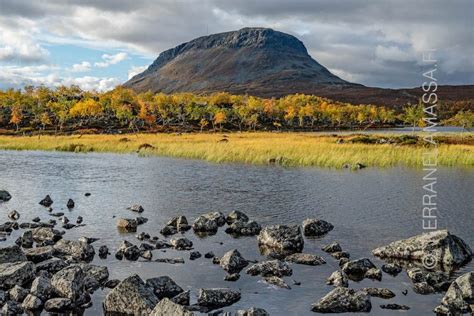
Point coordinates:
[(368, 208)]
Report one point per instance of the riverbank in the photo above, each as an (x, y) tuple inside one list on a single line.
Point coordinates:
[(287, 149)]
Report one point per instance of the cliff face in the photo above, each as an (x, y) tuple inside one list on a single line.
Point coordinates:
[(257, 61)]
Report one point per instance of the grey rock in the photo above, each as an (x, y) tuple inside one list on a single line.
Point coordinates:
[(127, 224), (75, 250), (236, 216), (98, 273), (217, 217), (203, 224), (128, 250), (253, 311), (305, 258), (379, 292), (338, 278), (459, 296), (232, 261), (217, 297), (131, 296), (46, 234), (57, 305), (69, 283), (147, 254), (357, 269), (316, 227), (14, 215), (26, 239), (11, 254), (343, 300), (168, 230), (12, 308), (70, 203), (52, 265), (374, 274), (47, 201), (136, 208), (36, 219), (141, 220), (194, 255), (39, 254), (16, 273), (17, 293), (170, 260), (103, 251), (164, 286), (209, 255), (270, 268), (423, 288), (110, 284), (167, 307), (3, 297), (42, 288), (333, 247), (181, 243), (279, 282), (392, 269), (182, 298), (241, 228), (178, 223), (79, 220), (395, 307), (88, 240), (281, 238), (232, 277), (5, 196), (32, 303), (447, 249)]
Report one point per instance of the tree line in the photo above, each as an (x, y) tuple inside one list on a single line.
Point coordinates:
[(70, 108)]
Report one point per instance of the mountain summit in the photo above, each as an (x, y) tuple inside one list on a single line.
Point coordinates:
[(257, 61)]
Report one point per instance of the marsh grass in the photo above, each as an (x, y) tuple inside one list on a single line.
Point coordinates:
[(288, 149)]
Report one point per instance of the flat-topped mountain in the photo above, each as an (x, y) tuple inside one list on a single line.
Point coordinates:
[(257, 61)]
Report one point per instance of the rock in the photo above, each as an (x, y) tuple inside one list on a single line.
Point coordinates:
[(241, 228), (459, 296), (379, 292), (141, 220), (146, 246), (356, 269), (316, 227), (88, 240), (79, 220), (103, 252), (436, 280), (305, 258), (32, 303), (39, 254), (129, 251), (52, 265), (170, 260), (217, 297), (98, 273), (194, 255), (16, 273), (11, 254), (131, 296), (392, 269), (29, 225), (253, 311), (58, 305), (281, 238), (181, 243), (17, 293), (164, 286), (4, 196), (209, 255), (41, 288), (168, 230), (143, 236), (147, 254), (333, 247), (47, 201), (279, 282), (270, 268), (338, 278), (236, 216), (58, 214), (14, 215), (179, 223), (3, 297), (232, 277), (423, 288), (232, 261), (395, 307), (127, 224), (12, 308), (110, 284), (75, 250), (448, 250), (26, 239), (87, 194), (203, 224), (182, 298), (70, 203), (167, 307), (46, 235), (69, 283), (343, 300), (374, 274), (136, 208), (217, 217)]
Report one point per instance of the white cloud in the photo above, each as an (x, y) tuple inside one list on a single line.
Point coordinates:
[(393, 53), (82, 67), (20, 47), (111, 60), (135, 71)]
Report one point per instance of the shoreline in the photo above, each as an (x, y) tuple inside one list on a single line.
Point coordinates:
[(352, 151)]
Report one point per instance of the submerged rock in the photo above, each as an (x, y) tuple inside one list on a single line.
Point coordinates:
[(281, 239), (276, 281), (270, 268), (392, 269), (232, 261), (305, 258), (131, 296), (343, 300), (70, 203), (316, 227), (167, 307), (217, 297), (236, 216), (253, 311), (203, 224), (332, 248), (379, 292), (47, 201), (5, 196), (164, 286), (395, 307), (181, 243), (338, 278), (357, 269), (136, 208), (444, 248), (241, 228), (127, 224)]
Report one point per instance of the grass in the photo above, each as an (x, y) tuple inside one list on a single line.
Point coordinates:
[(288, 149)]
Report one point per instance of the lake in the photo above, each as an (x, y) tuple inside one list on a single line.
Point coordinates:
[(368, 208)]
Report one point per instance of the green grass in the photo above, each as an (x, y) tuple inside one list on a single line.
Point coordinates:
[(288, 149)]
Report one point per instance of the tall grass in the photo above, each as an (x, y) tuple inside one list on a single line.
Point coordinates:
[(288, 149)]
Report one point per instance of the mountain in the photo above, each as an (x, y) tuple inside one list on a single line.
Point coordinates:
[(265, 63)]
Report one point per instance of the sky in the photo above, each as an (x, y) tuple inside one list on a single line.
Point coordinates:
[(98, 44)]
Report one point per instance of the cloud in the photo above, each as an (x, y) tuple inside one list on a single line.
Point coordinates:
[(135, 71), (82, 67), (20, 47), (111, 60), (393, 53)]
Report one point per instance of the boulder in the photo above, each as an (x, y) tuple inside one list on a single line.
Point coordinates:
[(429, 281), (103, 252), (179, 223), (32, 303), (46, 235), (316, 227), (12, 308), (11, 254), (41, 288), (232, 261), (4, 196), (16, 273), (448, 250), (332, 248), (75, 250), (98, 273), (279, 282), (52, 265), (58, 305), (47, 201), (131, 296), (168, 230), (253, 311), (69, 283), (127, 224), (217, 217), (236, 216), (167, 307), (241, 228), (281, 239), (17, 293), (14, 215), (164, 286), (379, 292), (203, 224), (129, 251), (392, 269), (26, 239), (181, 243), (374, 274), (343, 300), (305, 258), (270, 268), (182, 298), (338, 278), (460, 296), (357, 269), (217, 297), (39, 254)]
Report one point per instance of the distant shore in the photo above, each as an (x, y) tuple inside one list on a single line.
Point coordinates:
[(353, 151)]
